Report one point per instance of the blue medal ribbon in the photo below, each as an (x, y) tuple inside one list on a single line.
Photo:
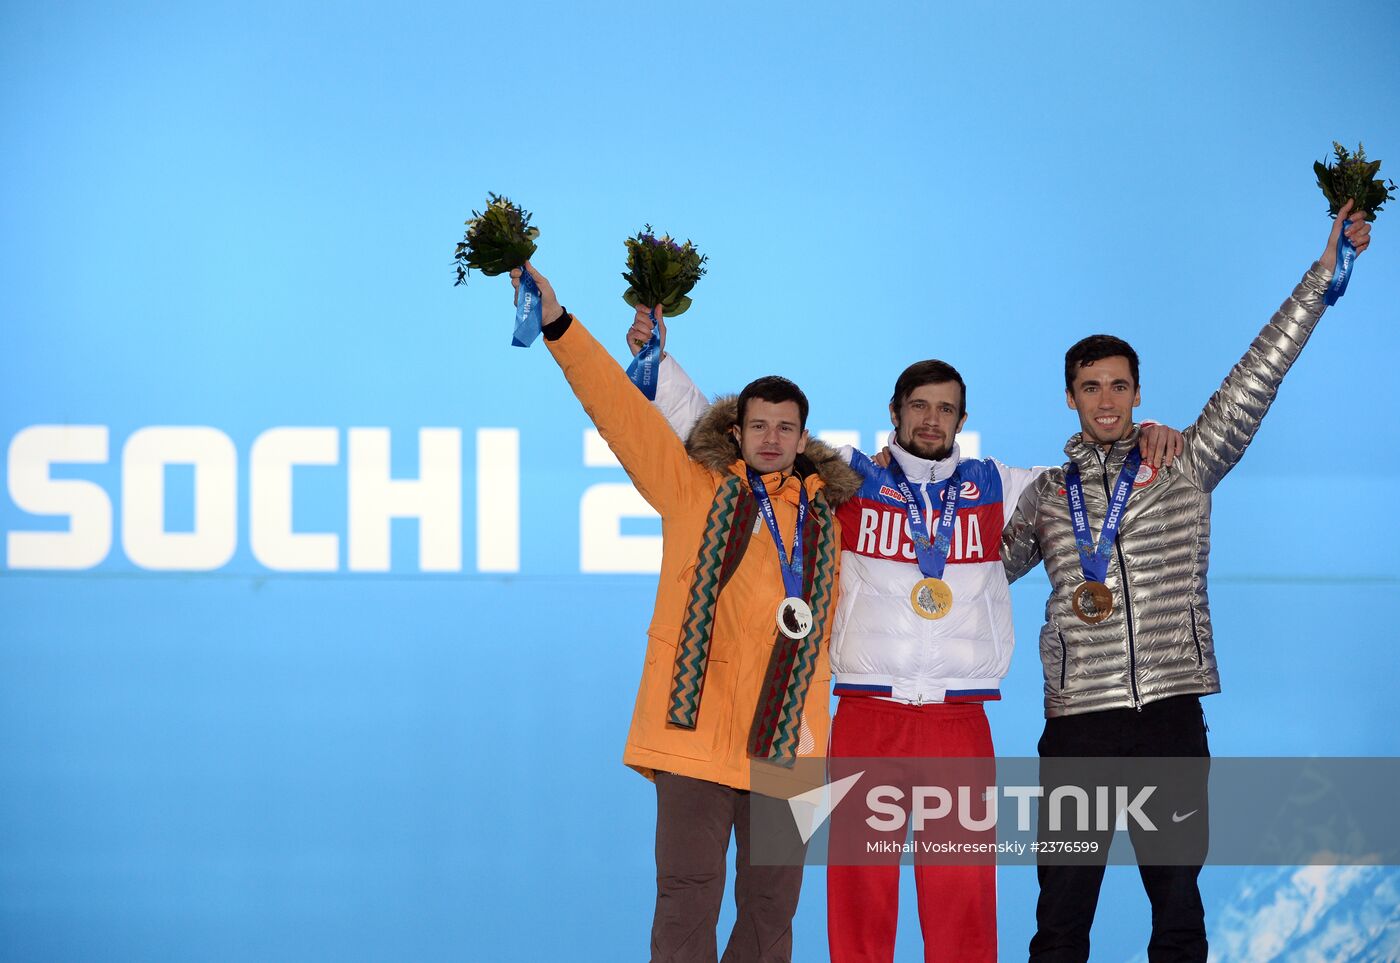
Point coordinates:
[(1346, 254), (642, 370), (932, 552), (528, 311), (1094, 559), (791, 568)]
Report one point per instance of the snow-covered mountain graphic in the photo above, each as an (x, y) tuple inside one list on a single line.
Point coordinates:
[(1309, 914)]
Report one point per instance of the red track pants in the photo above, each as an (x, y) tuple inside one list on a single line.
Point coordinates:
[(957, 903)]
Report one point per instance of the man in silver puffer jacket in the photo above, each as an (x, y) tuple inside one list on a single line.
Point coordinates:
[(1126, 679)]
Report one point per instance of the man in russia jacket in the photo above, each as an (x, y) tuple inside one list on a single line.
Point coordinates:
[(911, 682), (1126, 647), (722, 688)]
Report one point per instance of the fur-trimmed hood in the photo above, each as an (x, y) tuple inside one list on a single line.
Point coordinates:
[(711, 444)]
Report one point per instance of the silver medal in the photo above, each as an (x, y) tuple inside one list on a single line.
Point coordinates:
[(794, 618)]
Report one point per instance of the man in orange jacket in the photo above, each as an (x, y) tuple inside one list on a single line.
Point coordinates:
[(736, 671)]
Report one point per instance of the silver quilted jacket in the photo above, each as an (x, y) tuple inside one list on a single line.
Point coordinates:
[(1157, 642)]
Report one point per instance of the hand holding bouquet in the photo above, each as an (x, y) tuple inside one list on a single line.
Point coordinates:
[(1355, 194), (660, 274), (498, 240), (1352, 178)]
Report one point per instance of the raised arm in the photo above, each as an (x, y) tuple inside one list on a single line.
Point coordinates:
[(677, 397), (653, 456), (1218, 439)]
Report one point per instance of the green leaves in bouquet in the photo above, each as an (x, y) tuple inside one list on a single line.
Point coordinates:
[(497, 240), (660, 271), (1353, 178), (679, 306)]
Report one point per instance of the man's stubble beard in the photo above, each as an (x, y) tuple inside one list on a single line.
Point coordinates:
[(919, 450)]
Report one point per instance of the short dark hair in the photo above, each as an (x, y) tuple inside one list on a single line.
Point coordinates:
[(1096, 347), (931, 372), (773, 389)]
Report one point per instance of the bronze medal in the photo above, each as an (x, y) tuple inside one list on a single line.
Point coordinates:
[(931, 598), (1092, 602)]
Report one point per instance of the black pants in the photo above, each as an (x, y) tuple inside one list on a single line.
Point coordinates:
[(1069, 894), (694, 819)]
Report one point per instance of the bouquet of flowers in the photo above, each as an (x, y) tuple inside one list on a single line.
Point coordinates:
[(498, 240), (1353, 178), (660, 271)]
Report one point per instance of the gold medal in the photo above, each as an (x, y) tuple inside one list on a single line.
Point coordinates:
[(931, 598), (1092, 602)]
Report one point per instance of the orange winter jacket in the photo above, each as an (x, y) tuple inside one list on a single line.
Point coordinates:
[(720, 686)]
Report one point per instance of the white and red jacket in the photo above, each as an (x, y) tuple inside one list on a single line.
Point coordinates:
[(879, 645)]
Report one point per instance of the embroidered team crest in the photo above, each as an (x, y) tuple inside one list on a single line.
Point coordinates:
[(1146, 475)]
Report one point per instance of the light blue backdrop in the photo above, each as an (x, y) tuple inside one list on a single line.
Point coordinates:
[(388, 744)]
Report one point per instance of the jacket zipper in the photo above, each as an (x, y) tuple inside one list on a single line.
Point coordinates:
[(1064, 659), (927, 502), (1196, 638), (1127, 603)]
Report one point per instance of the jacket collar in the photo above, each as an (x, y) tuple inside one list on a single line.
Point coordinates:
[(919, 470), (713, 446), (780, 484), (1088, 456)]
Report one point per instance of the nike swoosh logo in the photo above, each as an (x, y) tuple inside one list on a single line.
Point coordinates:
[(1177, 819)]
